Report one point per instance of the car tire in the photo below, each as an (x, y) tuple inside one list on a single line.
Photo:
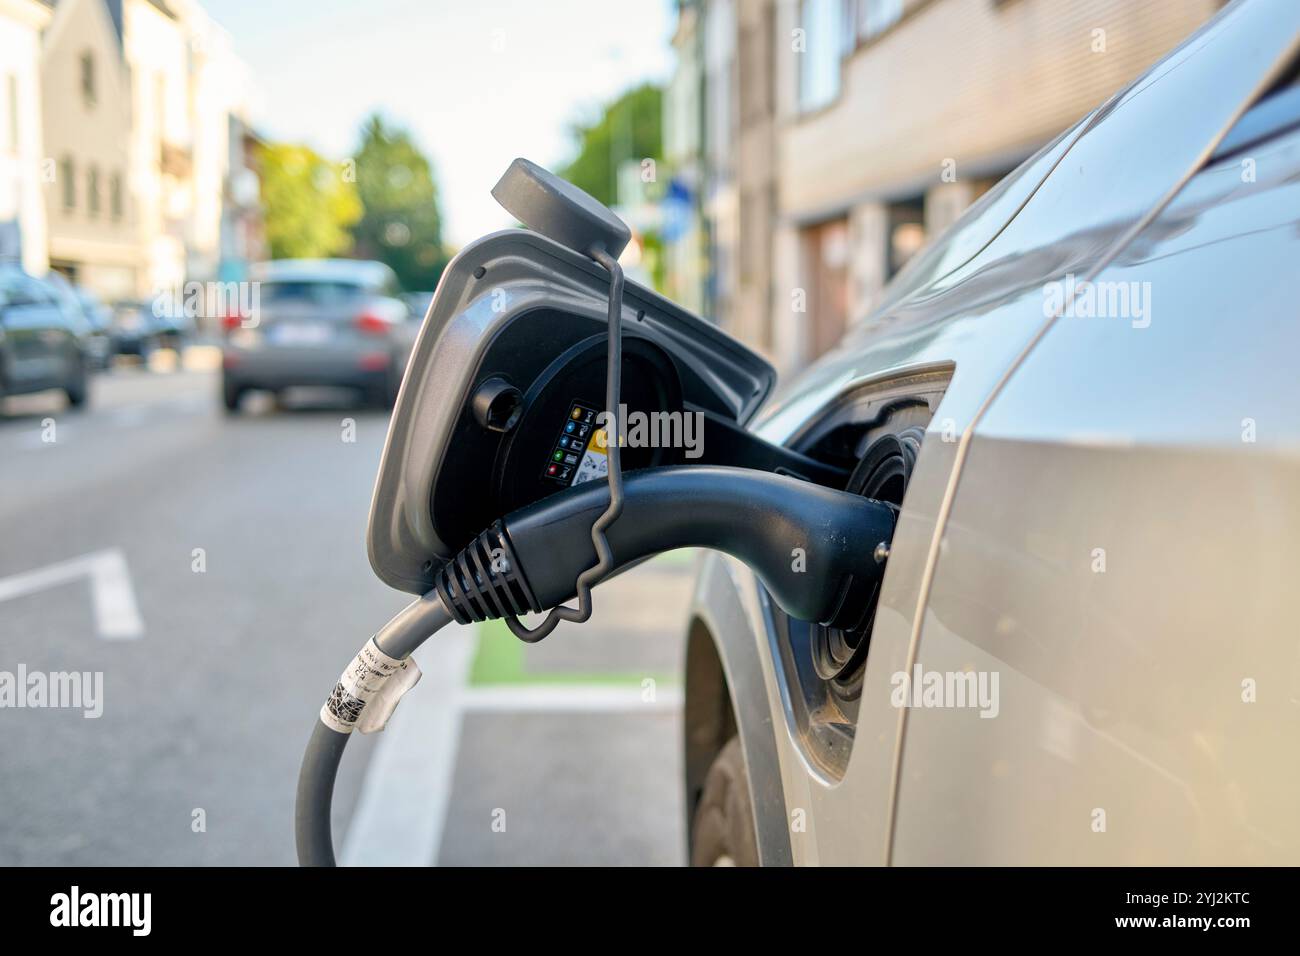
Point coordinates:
[(723, 831), (232, 395), (75, 388)]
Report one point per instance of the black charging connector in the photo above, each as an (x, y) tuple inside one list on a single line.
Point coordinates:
[(814, 548)]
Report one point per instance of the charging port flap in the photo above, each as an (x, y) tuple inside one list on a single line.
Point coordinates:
[(511, 350)]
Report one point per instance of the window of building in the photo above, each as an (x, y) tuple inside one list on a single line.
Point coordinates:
[(88, 78), (826, 37), (877, 16), (826, 268), (906, 232), (67, 173), (92, 190), (11, 110), (115, 196)]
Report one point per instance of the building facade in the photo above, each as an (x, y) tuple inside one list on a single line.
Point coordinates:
[(22, 153), (93, 228), (145, 121), (685, 241), (858, 129)]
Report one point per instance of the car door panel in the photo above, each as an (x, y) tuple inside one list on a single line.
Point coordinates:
[(983, 318), (27, 324), (1120, 551)]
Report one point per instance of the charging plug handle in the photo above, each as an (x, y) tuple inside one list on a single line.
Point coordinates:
[(812, 547)]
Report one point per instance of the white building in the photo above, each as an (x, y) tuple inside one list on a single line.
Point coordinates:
[(142, 97), (22, 155), (94, 231), (220, 100)]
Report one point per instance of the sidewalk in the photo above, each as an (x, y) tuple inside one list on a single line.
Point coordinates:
[(563, 752)]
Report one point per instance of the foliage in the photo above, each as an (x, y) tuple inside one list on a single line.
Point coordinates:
[(308, 204), (630, 128), (401, 224)]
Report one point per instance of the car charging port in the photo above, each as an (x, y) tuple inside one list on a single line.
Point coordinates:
[(497, 405), (882, 475)]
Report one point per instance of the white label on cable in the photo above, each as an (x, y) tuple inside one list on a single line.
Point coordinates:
[(367, 693)]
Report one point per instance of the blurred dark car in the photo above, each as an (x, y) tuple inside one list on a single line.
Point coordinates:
[(319, 322), (140, 328), (42, 338), (100, 347), (97, 317)]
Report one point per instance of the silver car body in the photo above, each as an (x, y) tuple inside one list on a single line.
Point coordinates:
[(1103, 514)]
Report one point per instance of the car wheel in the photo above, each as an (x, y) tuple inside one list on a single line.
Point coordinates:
[(231, 396), (75, 387), (722, 833)]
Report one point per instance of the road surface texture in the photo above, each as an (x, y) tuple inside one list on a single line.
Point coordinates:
[(213, 570)]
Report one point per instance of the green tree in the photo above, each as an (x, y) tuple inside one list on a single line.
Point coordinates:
[(401, 224), (307, 203), (630, 128)]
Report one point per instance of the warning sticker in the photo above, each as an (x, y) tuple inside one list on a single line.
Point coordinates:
[(368, 691), (595, 460)]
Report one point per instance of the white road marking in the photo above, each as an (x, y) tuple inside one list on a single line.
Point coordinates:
[(403, 803), (116, 614)]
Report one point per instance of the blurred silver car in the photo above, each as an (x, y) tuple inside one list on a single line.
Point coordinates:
[(318, 322)]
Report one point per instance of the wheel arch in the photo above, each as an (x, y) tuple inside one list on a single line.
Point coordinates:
[(725, 695)]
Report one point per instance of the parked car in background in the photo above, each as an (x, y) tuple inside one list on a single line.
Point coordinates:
[(141, 327), (418, 303), (319, 322), (1082, 399), (42, 339), (135, 330), (100, 343), (97, 317)]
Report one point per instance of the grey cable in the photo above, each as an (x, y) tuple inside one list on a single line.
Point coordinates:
[(614, 478), (419, 620), (410, 628)]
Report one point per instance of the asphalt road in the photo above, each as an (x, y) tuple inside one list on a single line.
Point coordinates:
[(213, 570)]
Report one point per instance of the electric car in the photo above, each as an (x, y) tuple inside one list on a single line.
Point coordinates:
[(1084, 649), (318, 322)]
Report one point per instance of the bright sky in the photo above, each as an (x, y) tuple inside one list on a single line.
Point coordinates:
[(478, 82)]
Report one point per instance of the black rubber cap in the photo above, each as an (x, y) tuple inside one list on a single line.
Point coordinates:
[(559, 210)]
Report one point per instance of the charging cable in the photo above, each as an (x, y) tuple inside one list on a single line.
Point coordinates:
[(614, 477), (366, 679), (380, 673)]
